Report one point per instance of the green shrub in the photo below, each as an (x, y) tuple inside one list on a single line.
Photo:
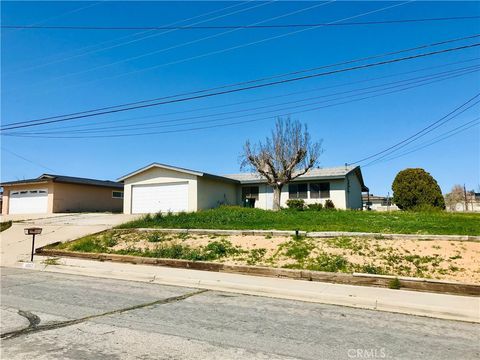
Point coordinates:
[(87, 244), (328, 262), (155, 237), (417, 189), (256, 255), (109, 240), (296, 204), (5, 225), (394, 284), (329, 204), (298, 248), (315, 206), (371, 269), (219, 249)]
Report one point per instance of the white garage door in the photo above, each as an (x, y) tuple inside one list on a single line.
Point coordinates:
[(28, 201), (159, 197)]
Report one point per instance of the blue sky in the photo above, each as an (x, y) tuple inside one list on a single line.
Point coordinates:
[(51, 72)]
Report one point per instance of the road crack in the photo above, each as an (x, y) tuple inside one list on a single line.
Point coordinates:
[(33, 319), (60, 324)]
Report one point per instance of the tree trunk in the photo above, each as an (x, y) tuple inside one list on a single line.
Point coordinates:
[(277, 192)]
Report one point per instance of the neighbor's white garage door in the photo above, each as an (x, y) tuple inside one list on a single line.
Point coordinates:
[(28, 202), (159, 197)]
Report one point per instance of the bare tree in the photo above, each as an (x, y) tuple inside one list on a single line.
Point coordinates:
[(286, 155), (454, 197)]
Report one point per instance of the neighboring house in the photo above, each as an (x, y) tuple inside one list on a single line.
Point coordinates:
[(158, 187), (470, 203), (56, 194), (378, 203)]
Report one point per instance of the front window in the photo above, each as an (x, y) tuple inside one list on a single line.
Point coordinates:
[(320, 190), (297, 191), (117, 194), (250, 192)]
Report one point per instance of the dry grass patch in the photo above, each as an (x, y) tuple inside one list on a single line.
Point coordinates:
[(435, 259)]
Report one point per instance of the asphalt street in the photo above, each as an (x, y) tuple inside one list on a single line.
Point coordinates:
[(59, 316)]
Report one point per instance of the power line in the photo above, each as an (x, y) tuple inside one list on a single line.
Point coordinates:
[(417, 81), (25, 159), (433, 141), (216, 52), (371, 57), (175, 46), (276, 96), (421, 132), (221, 27), (211, 126), (142, 38), (37, 123), (61, 15)]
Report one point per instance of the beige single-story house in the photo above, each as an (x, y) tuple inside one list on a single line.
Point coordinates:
[(49, 194), (163, 188)]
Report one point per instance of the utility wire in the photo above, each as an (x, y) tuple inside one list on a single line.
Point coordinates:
[(35, 123), (216, 52), (450, 116), (139, 39), (221, 27), (276, 97), (421, 81), (433, 141), (25, 159), (210, 126), (371, 57), (175, 46), (58, 16)]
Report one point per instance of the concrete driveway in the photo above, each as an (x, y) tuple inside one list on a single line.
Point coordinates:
[(15, 246)]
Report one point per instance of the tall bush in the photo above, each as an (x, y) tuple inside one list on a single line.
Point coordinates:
[(415, 189)]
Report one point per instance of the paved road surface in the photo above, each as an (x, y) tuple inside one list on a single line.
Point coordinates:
[(76, 317), (16, 246)]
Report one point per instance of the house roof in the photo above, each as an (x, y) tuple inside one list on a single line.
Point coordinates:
[(339, 172), (66, 179), (179, 169)]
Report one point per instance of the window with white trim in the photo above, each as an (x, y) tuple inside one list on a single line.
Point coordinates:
[(298, 191), (320, 190), (117, 194)]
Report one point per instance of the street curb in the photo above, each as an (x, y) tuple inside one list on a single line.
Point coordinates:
[(312, 234), (337, 278)]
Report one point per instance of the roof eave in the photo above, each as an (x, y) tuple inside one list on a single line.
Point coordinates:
[(24, 182), (162, 166), (299, 179), (112, 185)]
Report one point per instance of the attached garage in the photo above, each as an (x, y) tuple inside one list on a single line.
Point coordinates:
[(159, 198), (163, 188), (61, 194), (29, 201)]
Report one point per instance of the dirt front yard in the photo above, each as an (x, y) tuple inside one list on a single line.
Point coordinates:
[(434, 259)]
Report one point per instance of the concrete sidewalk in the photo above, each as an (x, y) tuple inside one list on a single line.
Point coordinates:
[(443, 306), (16, 246)]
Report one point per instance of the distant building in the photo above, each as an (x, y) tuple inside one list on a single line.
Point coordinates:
[(470, 203), (378, 203)]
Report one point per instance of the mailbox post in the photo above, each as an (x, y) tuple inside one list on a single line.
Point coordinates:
[(33, 231)]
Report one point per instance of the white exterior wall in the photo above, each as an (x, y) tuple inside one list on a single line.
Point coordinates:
[(212, 193), (354, 191), (265, 195), (160, 176)]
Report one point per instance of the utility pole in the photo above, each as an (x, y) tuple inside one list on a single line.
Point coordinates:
[(465, 196)]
